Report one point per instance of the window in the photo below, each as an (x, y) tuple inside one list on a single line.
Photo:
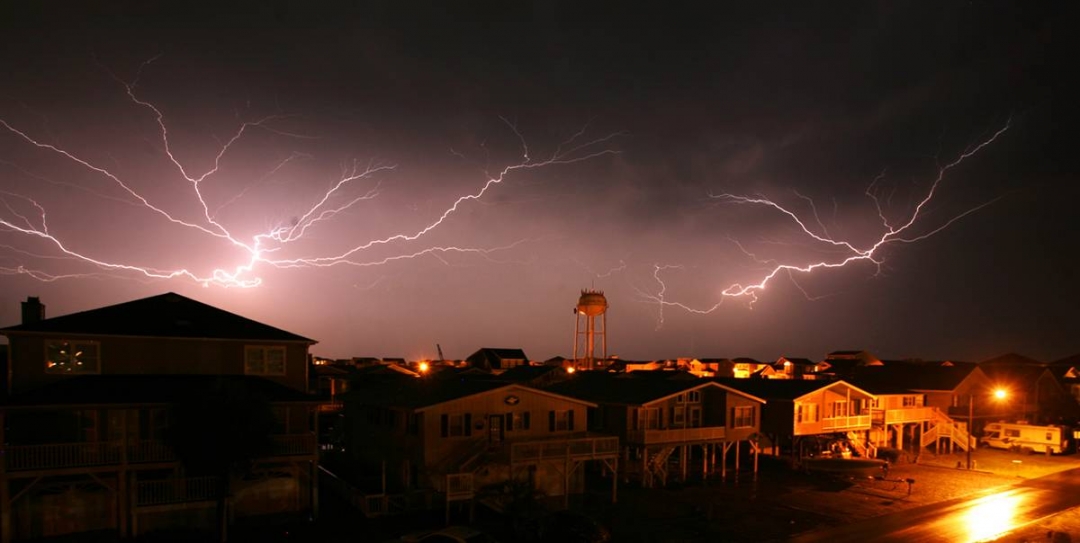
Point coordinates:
[(694, 396), (648, 419), (517, 420), (695, 417), (678, 416), (742, 417), (806, 412), (839, 409), (457, 425), (264, 360), (71, 356), (561, 421), (681, 398), (909, 401), (1009, 432)]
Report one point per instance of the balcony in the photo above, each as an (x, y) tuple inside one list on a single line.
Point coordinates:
[(676, 435), (908, 414), (113, 453), (169, 491), (857, 422), (584, 448)]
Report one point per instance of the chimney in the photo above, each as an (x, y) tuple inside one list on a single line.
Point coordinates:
[(32, 310)]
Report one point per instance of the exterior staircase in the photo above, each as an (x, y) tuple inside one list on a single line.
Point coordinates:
[(862, 448), (658, 466), (944, 427)]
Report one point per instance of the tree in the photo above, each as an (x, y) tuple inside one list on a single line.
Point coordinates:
[(219, 431)]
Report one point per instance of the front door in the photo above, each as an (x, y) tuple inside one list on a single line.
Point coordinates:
[(495, 428)]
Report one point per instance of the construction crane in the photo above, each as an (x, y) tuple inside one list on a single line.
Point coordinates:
[(439, 347)]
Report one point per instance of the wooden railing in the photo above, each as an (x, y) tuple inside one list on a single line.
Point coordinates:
[(293, 445), (62, 455), (190, 489), (844, 423), (676, 435), (460, 486), (909, 414), (110, 453), (583, 448)]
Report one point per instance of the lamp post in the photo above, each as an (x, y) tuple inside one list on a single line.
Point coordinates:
[(999, 394), (970, 428)]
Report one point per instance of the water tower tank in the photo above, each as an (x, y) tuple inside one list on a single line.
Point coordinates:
[(592, 303)]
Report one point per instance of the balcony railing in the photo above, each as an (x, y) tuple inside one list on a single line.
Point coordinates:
[(846, 423), (676, 435), (191, 489), (293, 445), (908, 414), (112, 453), (584, 448), (62, 455)]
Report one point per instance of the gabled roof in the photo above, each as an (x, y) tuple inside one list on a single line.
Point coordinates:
[(502, 354), (895, 378), (423, 394), (783, 389), (1010, 359), (796, 361), (146, 389), (167, 315), (524, 374), (1073, 360), (630, 389)]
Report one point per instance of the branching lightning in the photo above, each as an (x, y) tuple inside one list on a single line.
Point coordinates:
[(23, 216), (894, 231)]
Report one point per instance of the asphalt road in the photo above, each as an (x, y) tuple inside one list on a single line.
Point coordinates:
[(966, 519)]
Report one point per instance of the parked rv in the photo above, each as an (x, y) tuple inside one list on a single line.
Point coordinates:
[(1026, 437)]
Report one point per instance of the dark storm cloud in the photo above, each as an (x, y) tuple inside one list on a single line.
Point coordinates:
[(817, 99)]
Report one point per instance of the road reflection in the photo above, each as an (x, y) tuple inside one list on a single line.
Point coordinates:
[(990, 517)]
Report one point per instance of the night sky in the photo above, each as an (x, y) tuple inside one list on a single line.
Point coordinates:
[(647, 115)]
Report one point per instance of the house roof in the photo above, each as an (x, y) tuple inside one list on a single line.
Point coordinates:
[(528, 373), (146, 389), (502, 354), (782, 389), (421, 394), (796, 361), (1010, 359), (167, 315), (898, 377), (631, 389)]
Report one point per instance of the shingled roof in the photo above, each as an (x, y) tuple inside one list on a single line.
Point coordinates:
[(147, 389), (779, 389), (895, 378), (630, 389), (167, 315)]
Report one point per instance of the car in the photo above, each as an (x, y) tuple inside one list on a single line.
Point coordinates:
[(449, 534)]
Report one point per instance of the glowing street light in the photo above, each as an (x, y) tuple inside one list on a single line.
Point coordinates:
[(999, 394), (424, 367)]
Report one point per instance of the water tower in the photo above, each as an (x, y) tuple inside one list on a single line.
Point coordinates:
[(591, 304)]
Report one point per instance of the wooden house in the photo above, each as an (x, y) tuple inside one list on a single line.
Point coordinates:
[(926, 404), (497, 360), (800, 413), (88, 442), (451, 437), (663, 419)]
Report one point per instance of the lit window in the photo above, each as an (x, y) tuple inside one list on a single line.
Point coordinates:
[(742, 417), (71, 356), (260, 360)]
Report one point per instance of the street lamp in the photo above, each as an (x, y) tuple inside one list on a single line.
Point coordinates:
[(999, 394)]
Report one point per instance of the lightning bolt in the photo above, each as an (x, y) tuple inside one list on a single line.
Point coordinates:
[(849, 252), (23, 216)]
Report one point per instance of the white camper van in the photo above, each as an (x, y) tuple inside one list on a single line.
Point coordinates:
[(1025, 437)]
